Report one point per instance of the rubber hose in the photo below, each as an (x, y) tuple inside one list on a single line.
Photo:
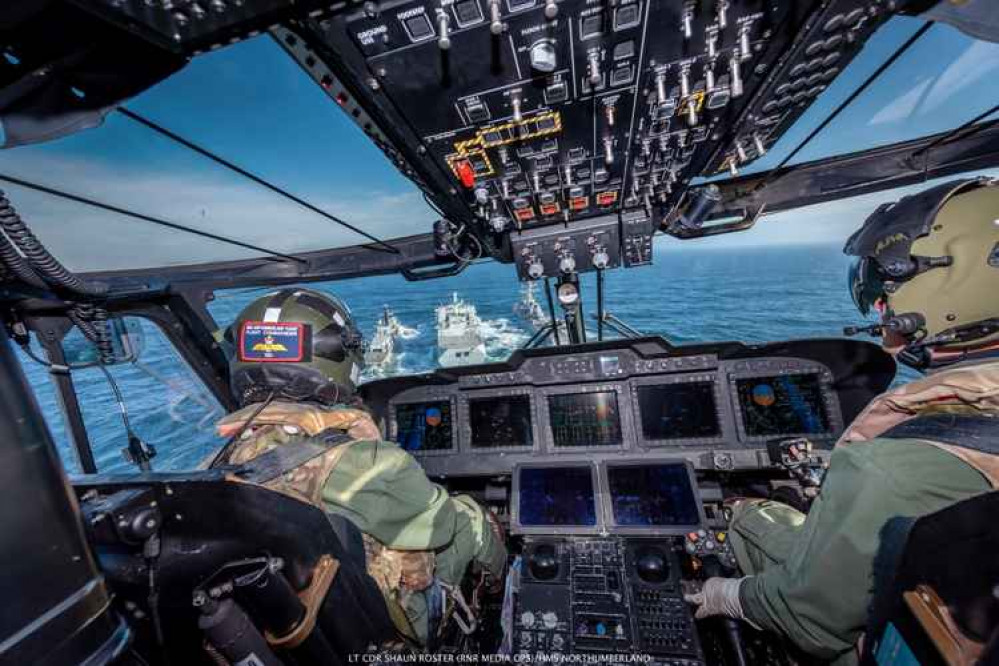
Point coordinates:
[(43, 263)]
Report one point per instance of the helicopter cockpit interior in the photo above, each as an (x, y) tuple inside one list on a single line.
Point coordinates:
[(557, 137)]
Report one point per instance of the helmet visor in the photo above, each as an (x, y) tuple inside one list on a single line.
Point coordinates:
[(867, 286)]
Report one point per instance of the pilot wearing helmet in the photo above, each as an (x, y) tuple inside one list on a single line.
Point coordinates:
[(928, 265), (296, 359)]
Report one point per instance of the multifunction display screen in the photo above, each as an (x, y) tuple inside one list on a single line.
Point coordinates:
[(784, 405), (585, 419), (678, 411), (556, 497), (654, 495), (500, 422), (424, 426)]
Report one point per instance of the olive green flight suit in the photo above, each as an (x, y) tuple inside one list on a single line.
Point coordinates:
[(415, 534), (811, 576)]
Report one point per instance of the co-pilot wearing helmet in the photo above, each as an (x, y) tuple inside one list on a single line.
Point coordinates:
[(297, 355), (928, 265)]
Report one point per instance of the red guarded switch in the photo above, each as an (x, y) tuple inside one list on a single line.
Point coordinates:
[(466, 174)]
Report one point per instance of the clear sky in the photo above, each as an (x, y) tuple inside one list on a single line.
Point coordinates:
[(253, 105)]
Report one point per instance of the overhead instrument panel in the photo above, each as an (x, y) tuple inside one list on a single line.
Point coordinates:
[(520, 114)]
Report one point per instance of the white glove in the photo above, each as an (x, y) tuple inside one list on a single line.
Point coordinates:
[(719, 596)]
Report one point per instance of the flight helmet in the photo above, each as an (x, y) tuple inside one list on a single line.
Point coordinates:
[(929, 266), (297, 344)]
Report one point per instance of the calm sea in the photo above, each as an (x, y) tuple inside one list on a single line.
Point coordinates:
[(751, 295)]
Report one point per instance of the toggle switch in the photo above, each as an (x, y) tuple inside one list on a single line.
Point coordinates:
[(687, 20), (661, 87), (443, 23), (685, 81), (594, 64), (608, 150), (761, 149), (722, 13), (495, 22), (551, 9), (515, 105), (735, 75)]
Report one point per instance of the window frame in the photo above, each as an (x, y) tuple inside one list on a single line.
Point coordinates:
[(186, 325)]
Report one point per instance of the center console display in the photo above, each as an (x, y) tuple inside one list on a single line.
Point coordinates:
[(556, 497), (424, 426), (678, 411), (652, 495), (782, 405), (501, 422), (585, 419)]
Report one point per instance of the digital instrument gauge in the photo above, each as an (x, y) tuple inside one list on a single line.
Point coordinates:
[(424, 426), (782, 406), (556, 497), (652, 495), (585, 419), (501, 422), (679, 411)]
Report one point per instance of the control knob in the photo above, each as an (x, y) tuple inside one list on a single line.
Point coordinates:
[(558, 642), (527, 619), (543, 57), (567, 264), (600, 259), (549, 620), (498, 223), (535, 270), (551, 9)]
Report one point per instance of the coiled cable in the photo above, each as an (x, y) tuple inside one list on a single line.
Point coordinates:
[(37, 262)]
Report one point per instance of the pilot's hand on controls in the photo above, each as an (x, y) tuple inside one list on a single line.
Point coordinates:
[(719, 596)]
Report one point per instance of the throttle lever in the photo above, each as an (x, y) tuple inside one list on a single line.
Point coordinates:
[(730, 627)]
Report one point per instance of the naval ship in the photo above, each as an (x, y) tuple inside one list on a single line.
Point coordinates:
[(558, 138), (459, 334), (380, 350)]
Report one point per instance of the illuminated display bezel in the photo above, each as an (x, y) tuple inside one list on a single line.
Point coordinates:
[(466, 420), (725, 430), (394, 423), (598, 498), (608, 501), (624, 415), (778, 368)]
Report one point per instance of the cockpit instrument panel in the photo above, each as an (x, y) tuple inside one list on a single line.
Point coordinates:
[(647, 495), (560, 498), (425, 426), (585, 419), (622, 400), (782, 405)]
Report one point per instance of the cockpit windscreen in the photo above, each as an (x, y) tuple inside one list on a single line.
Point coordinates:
[(424, 426), (784, 405), (678, 411), (556, 497), (585, 419), (501, 422), (653, 495)]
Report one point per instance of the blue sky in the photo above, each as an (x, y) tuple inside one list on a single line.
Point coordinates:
[(253, 105)]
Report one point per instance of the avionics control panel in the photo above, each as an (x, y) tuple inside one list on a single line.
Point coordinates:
[(715, 410), (515, 114)]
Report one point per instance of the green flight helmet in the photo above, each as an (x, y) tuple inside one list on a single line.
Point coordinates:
[(929, 264), (295, 344)]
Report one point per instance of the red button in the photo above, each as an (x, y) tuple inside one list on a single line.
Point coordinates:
[(466, 174)]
